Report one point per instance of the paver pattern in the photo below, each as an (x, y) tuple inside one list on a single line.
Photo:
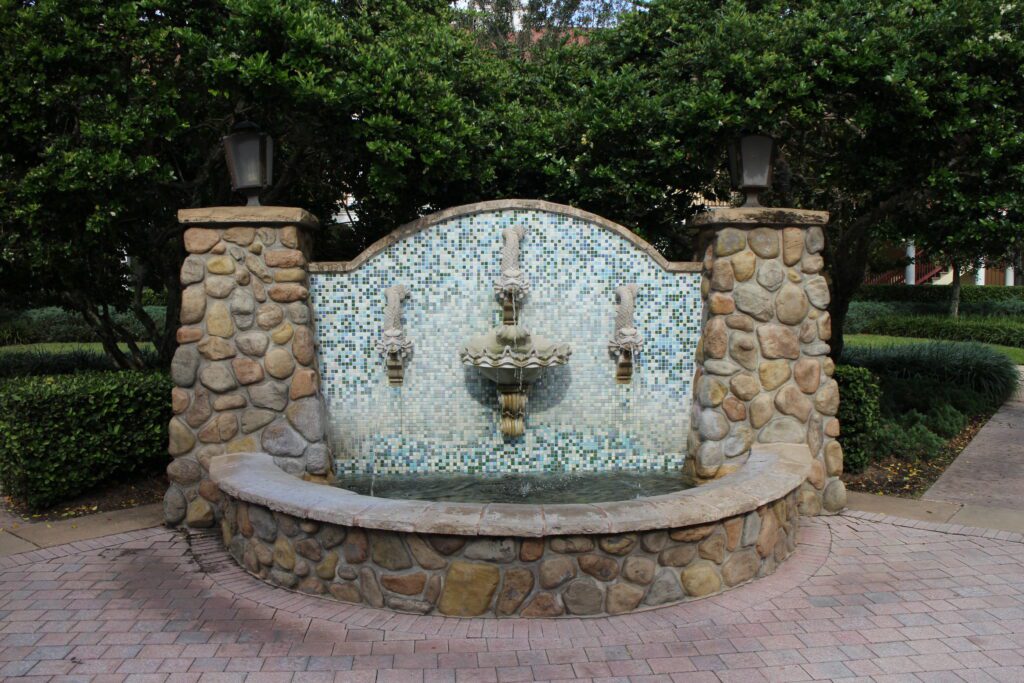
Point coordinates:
[(864, 598)]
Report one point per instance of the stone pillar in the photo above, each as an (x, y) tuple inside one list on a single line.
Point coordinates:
[(246, 367), (910, 272), (763, 370)]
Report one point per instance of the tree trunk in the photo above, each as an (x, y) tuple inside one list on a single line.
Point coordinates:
[(954, 292), (847, 264)]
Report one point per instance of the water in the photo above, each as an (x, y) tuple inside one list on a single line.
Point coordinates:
[(534, 488)]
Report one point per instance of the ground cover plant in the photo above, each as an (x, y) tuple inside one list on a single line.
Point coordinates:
[(931, 398)]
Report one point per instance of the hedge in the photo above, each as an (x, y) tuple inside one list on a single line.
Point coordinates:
[(1006, 331), (53, 324), (860, 415), (31, 362), (60, 436), (937, 293)]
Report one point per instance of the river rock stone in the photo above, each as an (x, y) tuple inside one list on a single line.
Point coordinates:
[(815, 239), (184, 365), (743, 349), (219, 430), (217, 377), (723, 368), (741, 322), (623, 597), (582, 596), (216, 348), (184, 471), (288, 292), (219, 287), (734, 409), (424, 555), (220, 265), (269, 316), (782, 430), (716, 338), (753, 300), (817, 292), (555, 571), (743, 265), (665, 588), (701, 578), (468, 589), (306, 415), (745, 386), (318, 458), (491, 549), (791, 401), (304, 383), (654, 541), (713, 425), (193, 304), (771, 275), (729, 241), (721, 304), (792, 245), (254, 418), (722, 277), (187, 335), (827, 399), (764, 242), (370, 588), (738, 442), (598, 566), (405, 584), (733, 531), (200, 240), (174, 505), (283, 334), (807, 374), (638, 569), (272, 395), (768, 535), (346, 592), (815, 439), (192, 270), (710, 457), (252, 343), (778, 342), (812, 264), (834, 498), (284, 258), (302, 346), (825, 326), (180, 438), (199, 514), (713, 548), (531, 549), (279, 363), (760, 411), (791, 304), (618, 545), (677, 555), (247, 371), (280, 439), (543, 605), (242, 306), (711, 391), (773, 374), (833, 459), (517, 585), (389, 551), (740, 567), (751, 529), (447, 545), (263, 522)]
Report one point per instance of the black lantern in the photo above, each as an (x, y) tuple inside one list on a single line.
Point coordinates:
[(751, 158), (250, 156)]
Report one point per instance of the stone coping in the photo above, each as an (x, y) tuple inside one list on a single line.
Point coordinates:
[(425, 222), (772, 471), (760, 217), (247, 215)]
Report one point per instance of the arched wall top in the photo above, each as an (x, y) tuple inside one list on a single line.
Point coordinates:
[(433, 219)]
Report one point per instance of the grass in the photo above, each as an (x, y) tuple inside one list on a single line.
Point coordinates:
[(1015, 354), (63, 347)]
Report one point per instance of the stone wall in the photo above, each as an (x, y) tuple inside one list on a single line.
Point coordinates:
[(246, 366), (764, 374), (509, 576)]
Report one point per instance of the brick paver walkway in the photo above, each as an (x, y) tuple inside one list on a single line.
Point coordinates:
[(864, 598)]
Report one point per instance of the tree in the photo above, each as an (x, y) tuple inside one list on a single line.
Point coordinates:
[(111, 115)]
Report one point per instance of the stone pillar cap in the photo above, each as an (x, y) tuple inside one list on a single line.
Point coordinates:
[(248, 215), (760, 216)]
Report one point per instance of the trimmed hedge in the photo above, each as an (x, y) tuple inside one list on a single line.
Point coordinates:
[(937, 293), (860, 415), (53, 324), (60, 436), (1006, 331), (31, 363)]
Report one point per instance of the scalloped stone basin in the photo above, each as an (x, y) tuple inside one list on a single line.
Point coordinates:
[(503, 560)]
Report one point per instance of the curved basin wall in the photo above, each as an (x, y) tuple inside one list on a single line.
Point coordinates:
[(444, 416)]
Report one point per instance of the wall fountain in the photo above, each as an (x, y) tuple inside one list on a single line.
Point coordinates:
[(510, 355), (627, 339), (393, 345)]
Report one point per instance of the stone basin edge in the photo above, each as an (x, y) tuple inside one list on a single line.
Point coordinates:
[(771, 472)]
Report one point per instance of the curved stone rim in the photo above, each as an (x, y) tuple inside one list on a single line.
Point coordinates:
[(772, 472), (427, 221)]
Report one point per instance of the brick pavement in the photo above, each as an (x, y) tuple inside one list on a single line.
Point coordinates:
[(865, 597)]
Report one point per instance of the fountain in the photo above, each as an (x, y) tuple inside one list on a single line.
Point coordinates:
[(627, 340), (509, 355), (393, 345)]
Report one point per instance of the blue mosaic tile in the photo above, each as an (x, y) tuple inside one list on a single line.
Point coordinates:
[(445, 416)]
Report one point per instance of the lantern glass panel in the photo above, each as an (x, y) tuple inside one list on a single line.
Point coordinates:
[(756, 161)]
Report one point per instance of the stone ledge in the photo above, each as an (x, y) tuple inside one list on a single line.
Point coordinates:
[(425, 222), (760, 217), (247, 215), (771, 473)]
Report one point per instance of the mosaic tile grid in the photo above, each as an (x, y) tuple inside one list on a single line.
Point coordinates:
[(444, 417)]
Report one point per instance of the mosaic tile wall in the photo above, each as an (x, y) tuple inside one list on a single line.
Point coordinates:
[(445, 416)]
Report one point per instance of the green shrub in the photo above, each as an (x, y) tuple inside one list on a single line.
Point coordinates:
[(988, 330), (971, 377), (859, 415), (914, 442), (969, 294), (31, 362), (945, 420), (60, 436), (53, 324)]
